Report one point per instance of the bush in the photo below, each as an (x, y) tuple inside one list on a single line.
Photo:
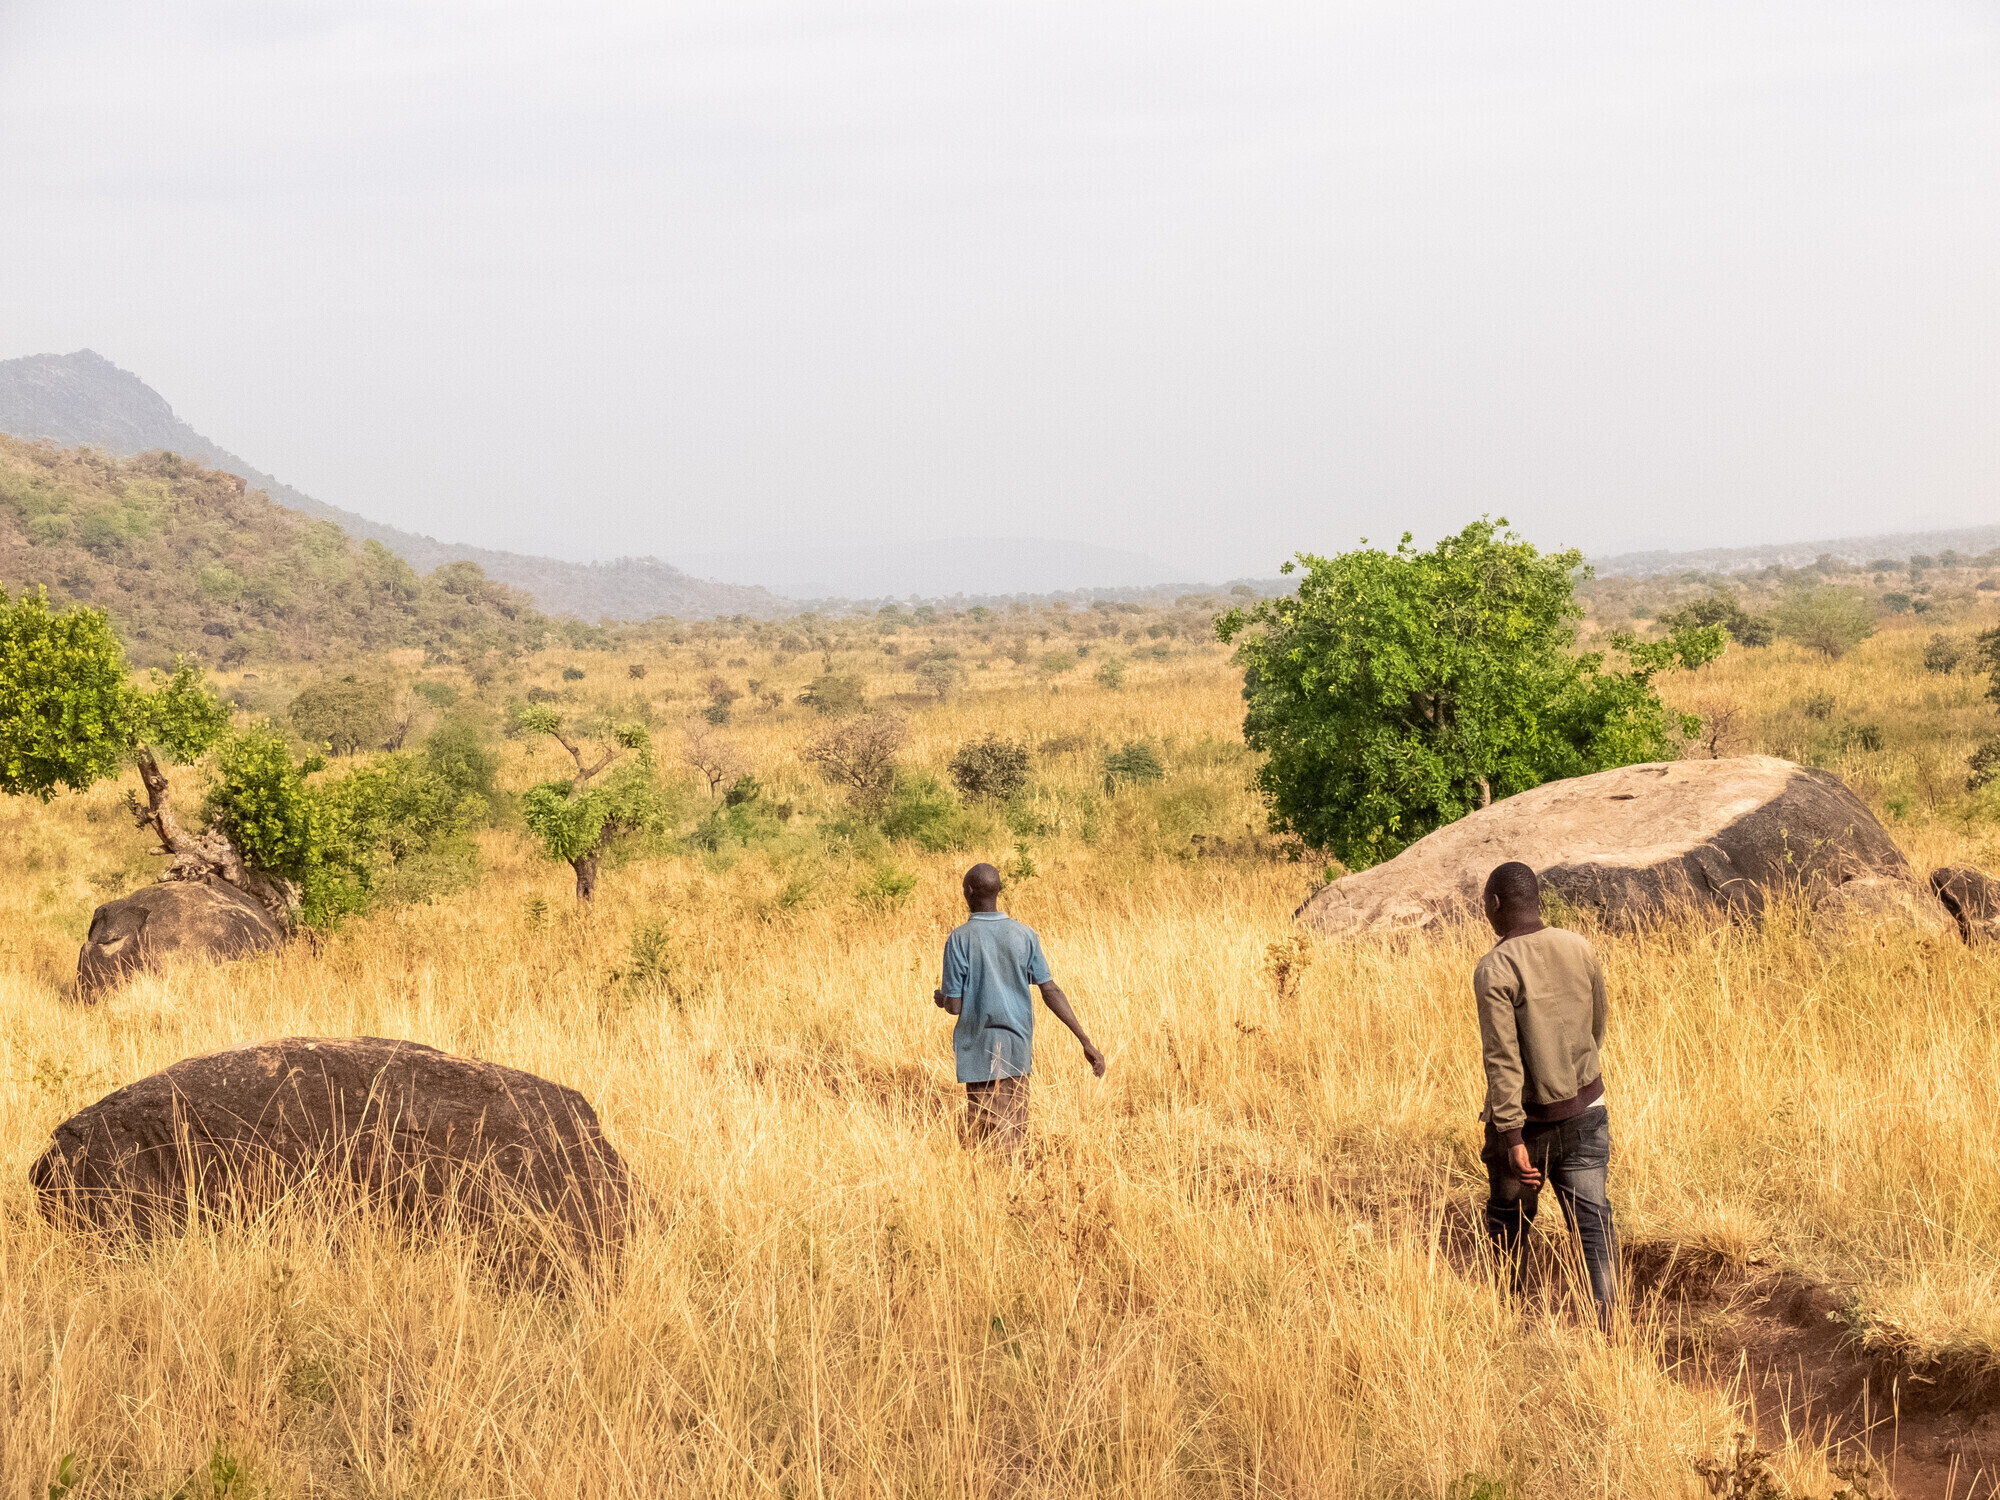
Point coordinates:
[(1831, 621), (635, 670), (345, 717), (457, 753), (1055, 663), (1134, 762), (993, 768), (1111, 674), (1985, 765), (834, 695), (921, 810), (1724, 609), (885, 886), (1943, 654), (439, 695), (572, 674)]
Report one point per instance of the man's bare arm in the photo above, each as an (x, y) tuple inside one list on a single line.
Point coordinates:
[(951, 1005), (1057, 1001)]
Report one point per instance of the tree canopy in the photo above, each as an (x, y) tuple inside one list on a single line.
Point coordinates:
[(578, 818), (1395, 692)]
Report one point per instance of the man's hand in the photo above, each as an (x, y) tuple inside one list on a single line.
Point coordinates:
[(1517, 1158), (1095, 1058), (951, 1005)]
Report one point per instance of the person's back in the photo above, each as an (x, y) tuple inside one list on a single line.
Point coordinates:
[(1542, 1013), (992, 965), (992, 962)]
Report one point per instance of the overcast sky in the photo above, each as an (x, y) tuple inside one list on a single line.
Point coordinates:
[(1215, 283)]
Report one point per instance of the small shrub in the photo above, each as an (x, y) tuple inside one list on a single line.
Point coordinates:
[(439, 695), (572, 674), (885, 886), (1134, 762), (923, 812), (834, 694), (348, 716), (1055, 663), (635, 670), (1065, 744), (1943, 654), (1111, 674), (1817, 705), (1985, 765), (993, 768)]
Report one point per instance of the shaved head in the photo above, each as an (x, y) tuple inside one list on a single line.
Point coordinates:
[(982, 884), (1513, 897)]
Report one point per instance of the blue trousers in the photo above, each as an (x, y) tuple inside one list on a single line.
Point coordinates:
[(1574, 1158)]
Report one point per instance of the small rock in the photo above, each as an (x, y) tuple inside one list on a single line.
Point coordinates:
[(1972, 898)]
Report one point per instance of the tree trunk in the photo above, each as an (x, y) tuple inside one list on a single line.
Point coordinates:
[(586, 877), (206, 856)]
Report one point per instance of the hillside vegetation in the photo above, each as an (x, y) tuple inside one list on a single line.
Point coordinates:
[(187, 561), (1243, 1264)]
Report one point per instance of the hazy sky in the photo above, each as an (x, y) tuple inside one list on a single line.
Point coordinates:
[(1214, 283)]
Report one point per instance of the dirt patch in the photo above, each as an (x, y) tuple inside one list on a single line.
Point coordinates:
[(1931, 1429)]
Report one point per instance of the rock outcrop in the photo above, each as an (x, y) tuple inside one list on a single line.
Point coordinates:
[(1720, 836), (1972, 898), (190, 918), (343, 1122)]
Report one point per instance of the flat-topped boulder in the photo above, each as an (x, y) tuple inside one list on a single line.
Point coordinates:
[(392, 1126), (1717, 836), (203, 919)]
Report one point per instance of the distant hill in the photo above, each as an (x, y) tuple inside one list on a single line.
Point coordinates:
[(1898, 546), (84, 399), (188, 560), (857, 567)]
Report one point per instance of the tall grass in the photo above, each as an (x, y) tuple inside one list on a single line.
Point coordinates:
[(1242, 1264)]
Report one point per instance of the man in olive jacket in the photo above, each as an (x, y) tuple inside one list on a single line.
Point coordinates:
[(1541, 1022)]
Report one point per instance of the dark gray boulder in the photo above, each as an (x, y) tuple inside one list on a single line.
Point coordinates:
[(336, 1122), (184, 918), (1715, 837), (1972, 898)]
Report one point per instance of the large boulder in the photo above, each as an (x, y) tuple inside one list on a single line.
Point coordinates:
[(393, 1126), (187, 918), (1717, 836)]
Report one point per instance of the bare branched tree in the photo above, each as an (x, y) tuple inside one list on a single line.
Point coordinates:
[(861, 756), (715, 758), (1721, 725)]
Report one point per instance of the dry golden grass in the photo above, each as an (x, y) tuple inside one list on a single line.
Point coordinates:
[(1239, 1265)]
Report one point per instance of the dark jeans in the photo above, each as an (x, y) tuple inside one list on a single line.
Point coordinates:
[(1574, 1158)]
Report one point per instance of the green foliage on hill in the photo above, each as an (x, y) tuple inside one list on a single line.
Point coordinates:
[(184, 560)]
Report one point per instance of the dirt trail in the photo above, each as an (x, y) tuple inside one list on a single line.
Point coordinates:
[(1933, 1431)]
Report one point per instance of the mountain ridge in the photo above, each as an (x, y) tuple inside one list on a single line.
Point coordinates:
[(83, 399)]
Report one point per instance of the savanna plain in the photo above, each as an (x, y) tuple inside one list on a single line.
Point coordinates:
[(1244, 1263)]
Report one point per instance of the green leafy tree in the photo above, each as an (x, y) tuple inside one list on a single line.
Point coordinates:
[(1397, 691), (71, 716), (1822, 618), (579, 818)]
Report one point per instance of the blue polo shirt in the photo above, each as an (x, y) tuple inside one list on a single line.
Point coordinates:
[(993, 962)]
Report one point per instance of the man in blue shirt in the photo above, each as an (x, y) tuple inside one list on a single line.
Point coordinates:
[(989, 964)]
